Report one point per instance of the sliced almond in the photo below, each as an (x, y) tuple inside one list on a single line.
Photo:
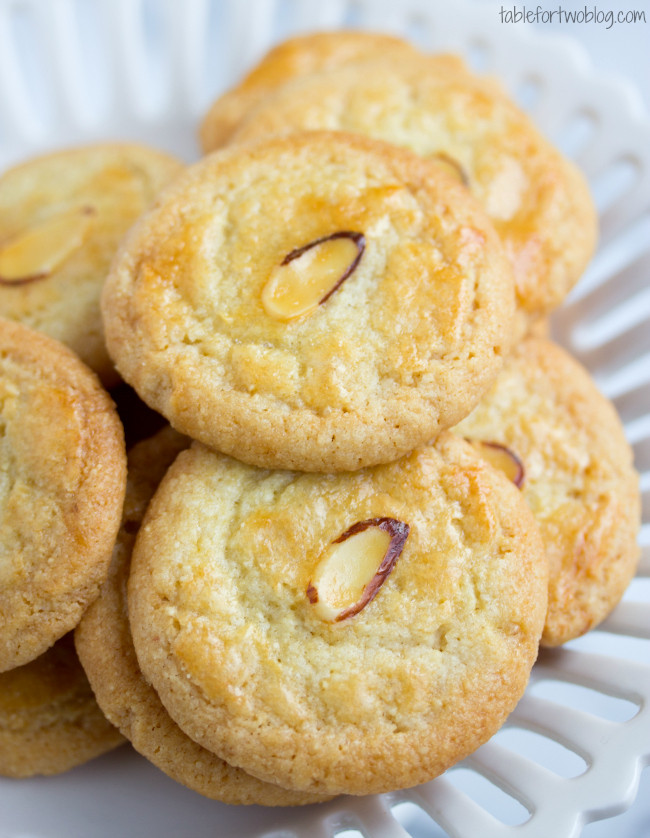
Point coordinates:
[(38, 252), (451, 165), (352, 569), (309, 275), (502, 458)]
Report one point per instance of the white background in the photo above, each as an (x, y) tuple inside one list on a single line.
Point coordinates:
[(622, 50)]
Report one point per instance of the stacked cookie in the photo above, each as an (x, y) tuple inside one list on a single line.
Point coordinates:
[(380, 491), (63, 477), (63, 455), (302, 590), (433, 105), (62, 217), (577, 472)]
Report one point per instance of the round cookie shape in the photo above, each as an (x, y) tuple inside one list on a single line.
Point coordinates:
[(61, 219), (49, 719), (578, 479), (538, 201), (104, 645), (297, 56), (260, 654), (319, 302), (62, 485)]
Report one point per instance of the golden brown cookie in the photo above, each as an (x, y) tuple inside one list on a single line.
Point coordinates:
[(537, 200), (349, 633), (62, 483), (61, 219), (104, 645), (49, 719), (320, 302), (576, 474), (297, 56)]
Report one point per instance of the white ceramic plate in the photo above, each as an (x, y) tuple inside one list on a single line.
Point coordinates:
[(72, 71)]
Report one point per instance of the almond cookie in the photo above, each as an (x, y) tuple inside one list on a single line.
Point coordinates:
[(350, 633), (537, 200), (49, 719), (61, 490), (299, 56), (61, 218), (104, 645), (562, 441), (319, 302)]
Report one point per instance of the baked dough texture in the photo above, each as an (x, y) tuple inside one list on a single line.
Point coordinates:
[(404, 347), (62, 482), (225, 629), (103, 188), (295, 57), (538, 201), (579, 480), (103, 642), (49, 719)]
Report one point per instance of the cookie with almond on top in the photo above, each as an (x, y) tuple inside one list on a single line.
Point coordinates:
[(545, 423), (434, 105), (339, 633), (62, 216), (320, 302)]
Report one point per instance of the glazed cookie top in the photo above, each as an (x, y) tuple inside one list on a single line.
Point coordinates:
[(295, 57), (538, 201), (353, 633), (576, 474), (320, 302), (62, 484), (61, 219), (49, 719), (104, 645)]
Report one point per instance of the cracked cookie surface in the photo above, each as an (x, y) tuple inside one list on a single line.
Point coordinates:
[(402, 348), (302, 55), (227, 629), (62, 484), (61, 219), (579, 479), (538, 201), (103, 642)]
